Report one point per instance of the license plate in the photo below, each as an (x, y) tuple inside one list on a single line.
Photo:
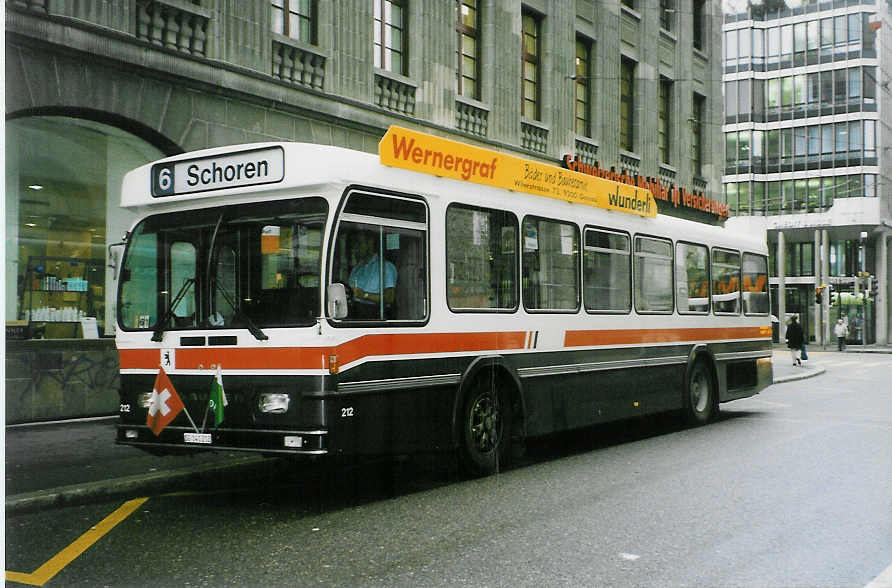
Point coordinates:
[(203, 438)]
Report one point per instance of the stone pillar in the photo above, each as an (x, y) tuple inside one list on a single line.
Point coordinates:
[(882, 309), (819, 279), (781, 288)]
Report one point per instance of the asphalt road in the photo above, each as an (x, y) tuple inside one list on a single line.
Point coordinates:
[(790, 488)]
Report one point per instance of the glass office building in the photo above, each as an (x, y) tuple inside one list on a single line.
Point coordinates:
[(807, 154)]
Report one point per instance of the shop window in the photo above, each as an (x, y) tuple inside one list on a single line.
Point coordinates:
[(62, 203)]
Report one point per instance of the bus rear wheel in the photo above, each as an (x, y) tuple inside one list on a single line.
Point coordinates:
[(700, 396), (486, 427)]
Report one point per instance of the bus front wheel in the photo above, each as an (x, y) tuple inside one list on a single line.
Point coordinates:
[(700, 396), (486, 427)]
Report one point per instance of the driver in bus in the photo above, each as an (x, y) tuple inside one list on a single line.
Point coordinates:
[(365, 279)]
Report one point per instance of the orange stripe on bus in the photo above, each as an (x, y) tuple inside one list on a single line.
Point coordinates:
[(631, 336), (313, 357), (234, 358)]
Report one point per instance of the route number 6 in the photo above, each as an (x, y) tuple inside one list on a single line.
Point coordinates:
[(162, 180), (165, 179)]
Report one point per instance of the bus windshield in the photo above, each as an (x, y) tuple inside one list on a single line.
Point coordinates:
[(241, 266)]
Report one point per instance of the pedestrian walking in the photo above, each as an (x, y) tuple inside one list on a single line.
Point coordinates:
[(794, 339), (841, 331)]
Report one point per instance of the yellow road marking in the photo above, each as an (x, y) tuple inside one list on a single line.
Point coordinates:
[(44, 573)]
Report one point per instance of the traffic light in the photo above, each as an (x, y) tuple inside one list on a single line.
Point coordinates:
[(819, 298)]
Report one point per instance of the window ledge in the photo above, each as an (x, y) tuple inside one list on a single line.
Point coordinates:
[(473, 103), (309, 48), (536, 123), (668, 35), (629, 155), (668, 170), (630, 11), (396, 77), (700, 54), (588, 141)]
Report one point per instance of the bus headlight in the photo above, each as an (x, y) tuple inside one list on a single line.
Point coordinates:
[(273, 403), (143, 399)]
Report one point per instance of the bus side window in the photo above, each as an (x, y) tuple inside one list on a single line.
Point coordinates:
[(550, 265), (653, 275), (481, 259), (725, 281), (755, 284), (606, 273), (383, 265), (692, 278)]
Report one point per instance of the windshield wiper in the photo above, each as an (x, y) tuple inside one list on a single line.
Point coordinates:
[(158, 335), (251, 326)]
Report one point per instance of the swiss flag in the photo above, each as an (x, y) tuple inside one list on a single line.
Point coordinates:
[(164, 405)]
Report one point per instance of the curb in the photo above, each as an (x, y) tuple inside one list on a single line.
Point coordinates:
[(77, 494), (807, 373)]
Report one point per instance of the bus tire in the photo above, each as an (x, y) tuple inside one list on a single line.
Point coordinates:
[(700, 395), (485, 426)]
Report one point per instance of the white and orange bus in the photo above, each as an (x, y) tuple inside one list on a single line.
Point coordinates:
[(515, 299)]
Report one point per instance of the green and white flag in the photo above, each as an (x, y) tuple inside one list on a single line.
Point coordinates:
[(218, 398)]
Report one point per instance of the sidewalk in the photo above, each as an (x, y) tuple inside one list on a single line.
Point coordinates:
[(785, 371), (70, 462)]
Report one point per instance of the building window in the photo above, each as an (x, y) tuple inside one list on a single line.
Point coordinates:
[(699, 23), (665, 122), (667, 14), (627, 105), (582, 81), (390, 36), (295, 19), (697, 122), (467, 28), (530, 57)]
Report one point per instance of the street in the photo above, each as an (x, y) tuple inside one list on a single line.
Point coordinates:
[(789, 488)]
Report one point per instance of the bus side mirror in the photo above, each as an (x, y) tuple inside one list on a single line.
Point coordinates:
[(337, 301)]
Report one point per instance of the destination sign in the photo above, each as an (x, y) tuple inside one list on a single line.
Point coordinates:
[(230, 170)]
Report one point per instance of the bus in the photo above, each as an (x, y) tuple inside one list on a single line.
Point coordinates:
[(310, 300)]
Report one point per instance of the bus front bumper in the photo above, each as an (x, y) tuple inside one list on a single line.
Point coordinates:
[(174, 439)]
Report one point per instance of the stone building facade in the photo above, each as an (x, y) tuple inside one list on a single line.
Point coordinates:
[(97, 87)]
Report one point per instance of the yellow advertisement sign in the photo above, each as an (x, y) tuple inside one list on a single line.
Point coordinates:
[(420, 152)]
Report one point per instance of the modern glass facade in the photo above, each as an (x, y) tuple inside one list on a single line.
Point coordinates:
[(806, 105)]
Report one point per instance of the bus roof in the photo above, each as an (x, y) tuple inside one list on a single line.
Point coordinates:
[(223, 175)]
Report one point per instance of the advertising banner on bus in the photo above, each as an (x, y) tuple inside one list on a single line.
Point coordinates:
[(412, 150)]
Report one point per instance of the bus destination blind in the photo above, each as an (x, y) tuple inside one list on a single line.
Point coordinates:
[(228, 170)]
